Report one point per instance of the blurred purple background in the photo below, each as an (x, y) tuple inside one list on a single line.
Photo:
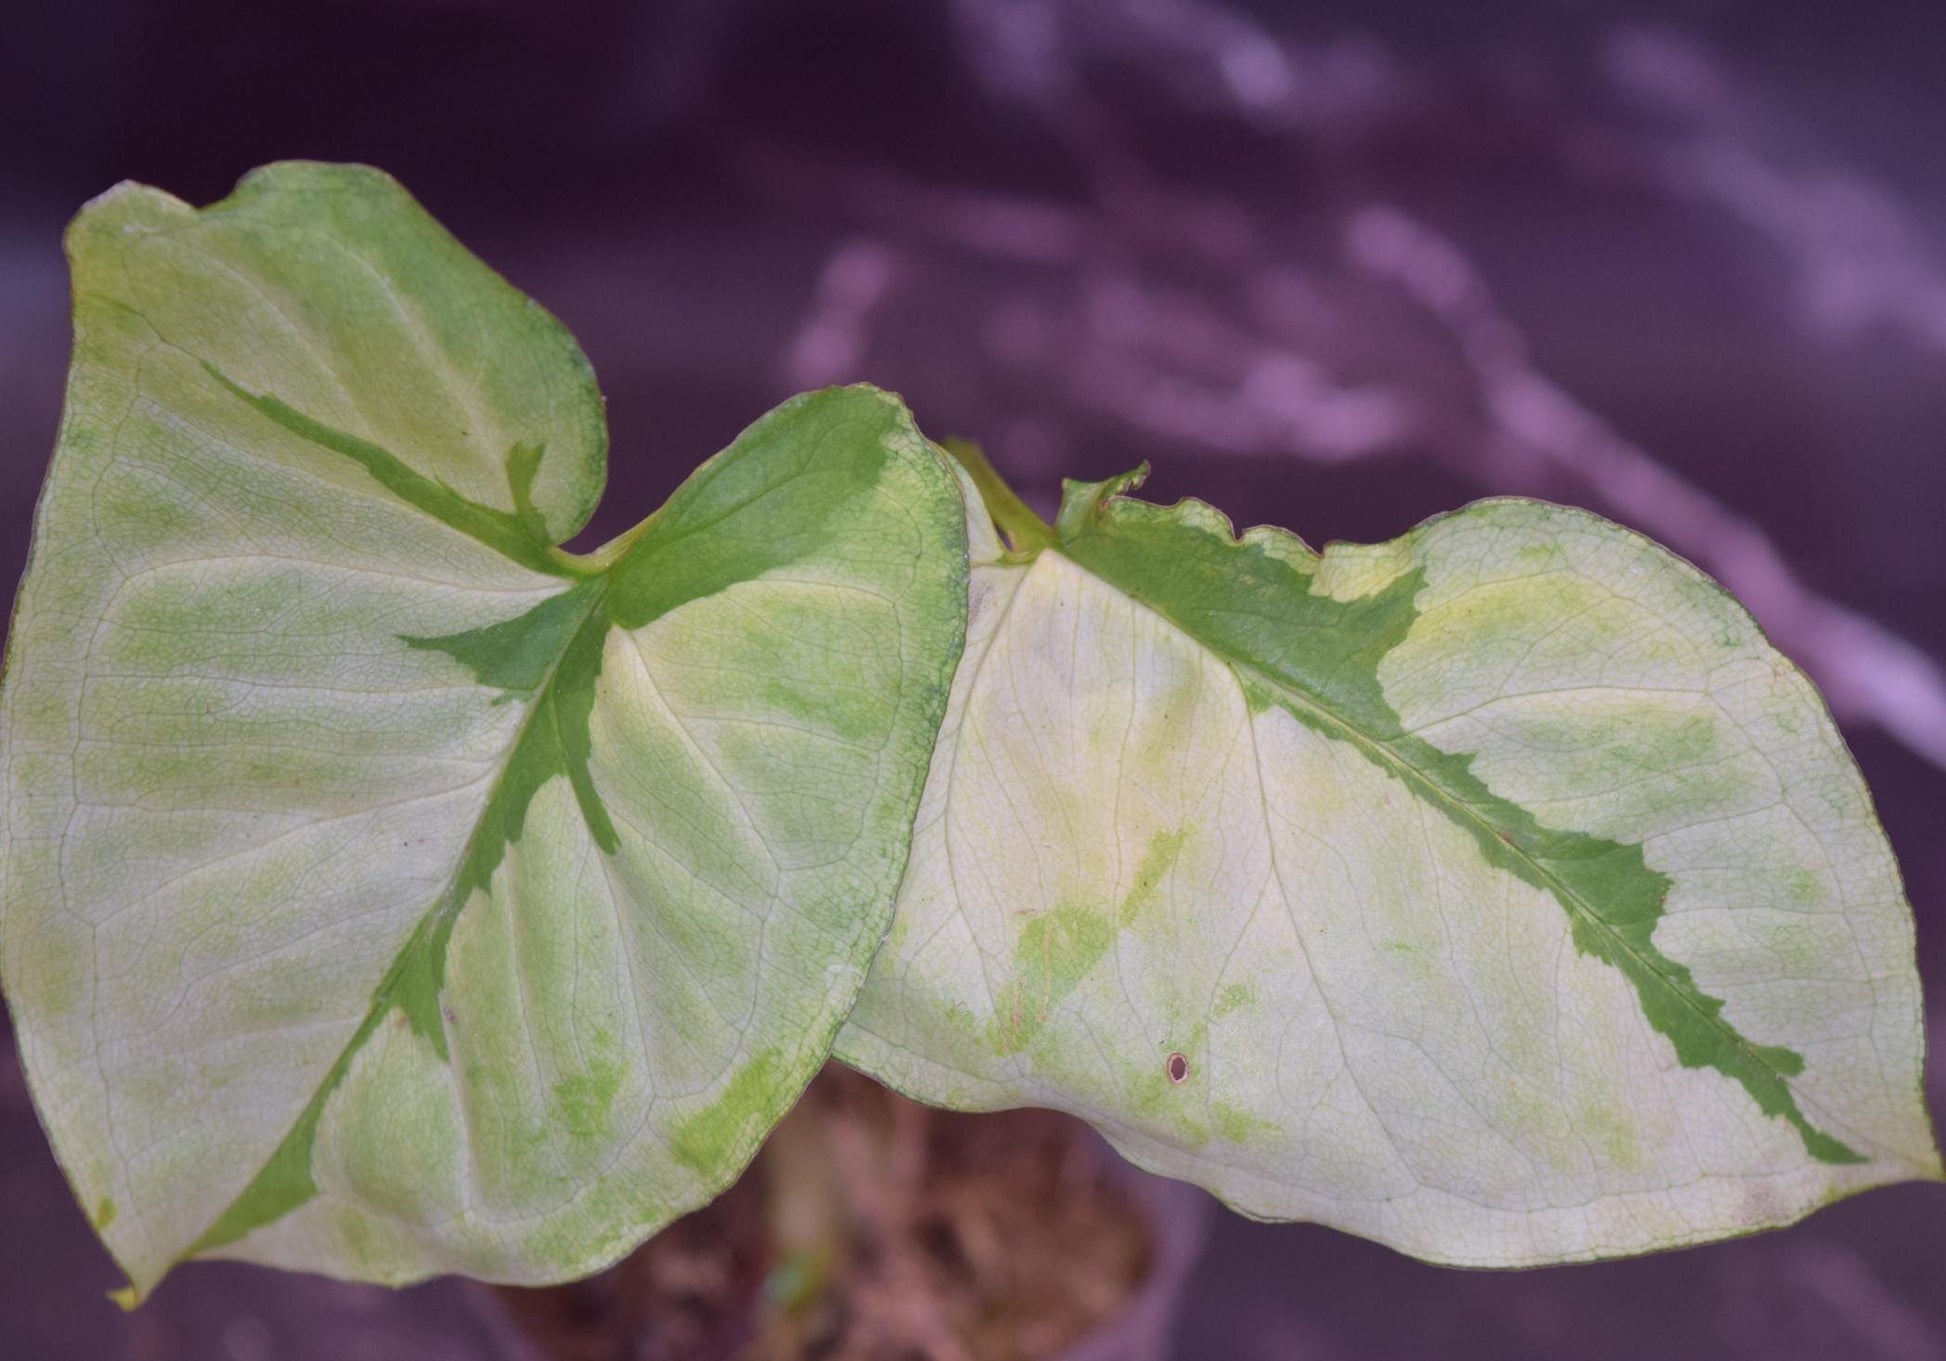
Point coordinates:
[(1334, 266)]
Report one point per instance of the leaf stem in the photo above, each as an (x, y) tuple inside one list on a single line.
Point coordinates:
[(599, 560), (1026, 532)]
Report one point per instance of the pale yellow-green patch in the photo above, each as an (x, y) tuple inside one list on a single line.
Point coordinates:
[(586, 1100), (1164, 850), (1239, 1126), (1054, 951), (1234, 997), (1348, 571), (744, 1112)]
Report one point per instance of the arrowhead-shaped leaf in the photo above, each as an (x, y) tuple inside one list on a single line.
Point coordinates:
[(387, 891), (1497, 892)]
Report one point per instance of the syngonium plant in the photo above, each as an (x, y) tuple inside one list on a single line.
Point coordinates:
[(390, 891)]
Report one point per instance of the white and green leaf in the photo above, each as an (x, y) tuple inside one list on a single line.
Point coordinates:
[(1497, 892), (388, 891)]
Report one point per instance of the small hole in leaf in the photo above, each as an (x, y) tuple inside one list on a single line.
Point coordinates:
[(1178, 1069)]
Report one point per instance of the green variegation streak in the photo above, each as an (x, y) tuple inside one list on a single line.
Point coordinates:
[(696, 547), (1318, 658), (548, 658), (521, 534)]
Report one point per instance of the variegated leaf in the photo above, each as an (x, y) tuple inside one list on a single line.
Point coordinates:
[(1497, 892), (387, 891)]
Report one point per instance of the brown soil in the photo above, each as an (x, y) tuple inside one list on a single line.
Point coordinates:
[(872, 1229)]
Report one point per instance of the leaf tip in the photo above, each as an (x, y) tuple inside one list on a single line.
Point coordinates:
[(310, 176), (124, 209)]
